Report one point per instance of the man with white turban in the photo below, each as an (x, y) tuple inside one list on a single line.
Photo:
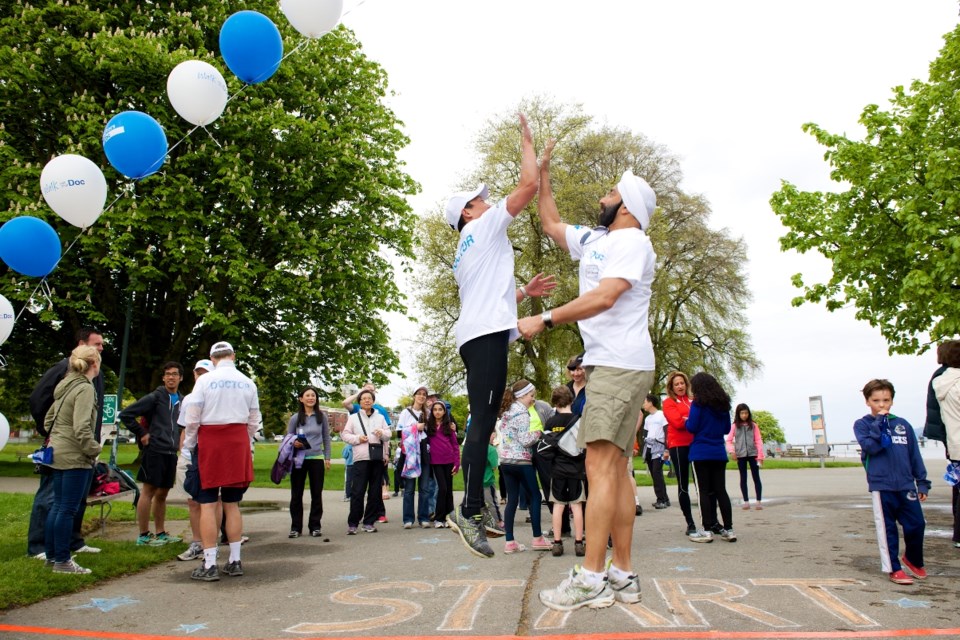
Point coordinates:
[(616, 274)]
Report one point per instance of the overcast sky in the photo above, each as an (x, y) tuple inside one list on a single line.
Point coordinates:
[(724, 86)]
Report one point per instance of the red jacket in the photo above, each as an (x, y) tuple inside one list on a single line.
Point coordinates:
[(676, 412)]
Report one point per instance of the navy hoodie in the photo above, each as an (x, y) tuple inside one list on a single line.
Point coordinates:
[(890, 454)]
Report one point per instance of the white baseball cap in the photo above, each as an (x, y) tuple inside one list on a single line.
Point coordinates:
[(221, 347), (638, 196), (459, 200), (204, 364)]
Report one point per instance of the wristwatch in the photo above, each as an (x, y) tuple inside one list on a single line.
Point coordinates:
[(547, 317)]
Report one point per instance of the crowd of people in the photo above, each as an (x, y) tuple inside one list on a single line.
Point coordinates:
[(574, 453)]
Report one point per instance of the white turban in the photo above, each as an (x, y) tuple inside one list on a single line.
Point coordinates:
[(638, 197)]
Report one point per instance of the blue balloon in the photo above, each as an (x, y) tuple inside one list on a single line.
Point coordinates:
[(29, 246), (135, 144), (251, 46)]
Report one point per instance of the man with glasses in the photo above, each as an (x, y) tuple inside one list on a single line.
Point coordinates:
[(153, 422)]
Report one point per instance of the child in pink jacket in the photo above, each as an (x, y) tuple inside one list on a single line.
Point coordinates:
[(745, 443)]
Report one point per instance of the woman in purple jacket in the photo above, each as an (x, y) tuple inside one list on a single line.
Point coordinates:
[(709, 422), (444, 459)]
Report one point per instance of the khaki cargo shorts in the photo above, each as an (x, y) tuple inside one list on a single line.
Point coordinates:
[(614, 401)]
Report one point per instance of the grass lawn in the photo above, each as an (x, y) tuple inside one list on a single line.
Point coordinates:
[(24, 580)]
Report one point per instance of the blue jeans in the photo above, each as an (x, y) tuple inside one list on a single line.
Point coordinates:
[(70, 487), (423, 499), (521, 478), (42, 502), (431, 485)]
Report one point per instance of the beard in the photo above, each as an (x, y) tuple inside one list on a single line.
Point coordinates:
[(608, 214)]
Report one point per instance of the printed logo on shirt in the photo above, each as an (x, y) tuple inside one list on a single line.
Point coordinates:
[(464, 245), (229, 384), (596, 255)]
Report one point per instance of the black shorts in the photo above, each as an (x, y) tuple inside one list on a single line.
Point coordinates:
[(225, 494), (567, 490), (158, 469)]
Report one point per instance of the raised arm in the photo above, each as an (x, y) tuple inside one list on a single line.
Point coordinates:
[(586, 306), (529, 176), (546, 205)]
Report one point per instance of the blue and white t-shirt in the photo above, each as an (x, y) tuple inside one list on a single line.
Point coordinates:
[(483, 268), (620, 336)]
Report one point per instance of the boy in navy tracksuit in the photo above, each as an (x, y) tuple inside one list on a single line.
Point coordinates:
[(897, 479)]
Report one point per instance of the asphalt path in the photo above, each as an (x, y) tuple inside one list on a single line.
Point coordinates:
[(807, 566)]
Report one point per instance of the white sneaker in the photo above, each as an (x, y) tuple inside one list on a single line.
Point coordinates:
[(40, 556), (626, 590), (194, 551), (69, 567), (574, 593), (700, 536), (87, 549)]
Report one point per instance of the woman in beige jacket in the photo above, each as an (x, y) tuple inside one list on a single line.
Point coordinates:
[(70, 422)]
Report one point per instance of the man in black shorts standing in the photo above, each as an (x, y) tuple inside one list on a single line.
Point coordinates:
[(159, 437)]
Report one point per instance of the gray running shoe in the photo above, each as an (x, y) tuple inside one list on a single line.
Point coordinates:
[(490, 523), (626, 590), (194, 551), (728, 535), (206, 574), (700, 536), (574, 593), (69, 567), (472, 532), (234, 568)]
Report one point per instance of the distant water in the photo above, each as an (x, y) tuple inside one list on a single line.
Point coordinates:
[(929, 449)]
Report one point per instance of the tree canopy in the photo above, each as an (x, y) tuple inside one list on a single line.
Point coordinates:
[(697, 319), (893, 234), (274, 232), (769, 426)]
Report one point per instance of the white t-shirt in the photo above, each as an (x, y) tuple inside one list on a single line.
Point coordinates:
[(655, 424), (223, 396), (620, 336), (483, 268)]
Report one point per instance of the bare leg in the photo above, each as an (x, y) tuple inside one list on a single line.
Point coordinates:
[(209, 525), (144, 506), (612, 509), (234, 521), (557, 519), (159, 508), (577, 509), (194, 508)]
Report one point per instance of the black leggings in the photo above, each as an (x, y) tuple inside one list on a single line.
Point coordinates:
[(755, 472), (485, 359), (713, 493), (680, 459), (443, 474)]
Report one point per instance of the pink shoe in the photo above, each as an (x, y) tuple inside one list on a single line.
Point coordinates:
[(513, 547), (541, 544), (759, 507)]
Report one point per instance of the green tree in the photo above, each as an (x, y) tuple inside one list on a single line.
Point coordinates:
[(893, 233), (699, 294), (276, 236), (769, 427)]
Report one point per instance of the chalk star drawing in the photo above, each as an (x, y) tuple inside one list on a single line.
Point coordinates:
[(682, 568), (804, 516), (352, 578), (678, 550), (907, 603), (464, 567), (190, 628), (417, 558), (433, 540), (107, 604)]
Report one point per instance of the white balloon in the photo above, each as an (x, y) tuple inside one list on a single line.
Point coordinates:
[(312, 18), (197, 91), (6, 319), (4, 431), (74, 188)]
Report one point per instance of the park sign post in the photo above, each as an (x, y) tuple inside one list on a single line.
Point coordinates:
[(109, 408), (819, 426)]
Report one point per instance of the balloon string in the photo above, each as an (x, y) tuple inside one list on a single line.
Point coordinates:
[(348, 11)]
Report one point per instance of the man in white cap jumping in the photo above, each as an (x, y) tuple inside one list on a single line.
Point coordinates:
[(483, 268), (616, 274), (222, 418)]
